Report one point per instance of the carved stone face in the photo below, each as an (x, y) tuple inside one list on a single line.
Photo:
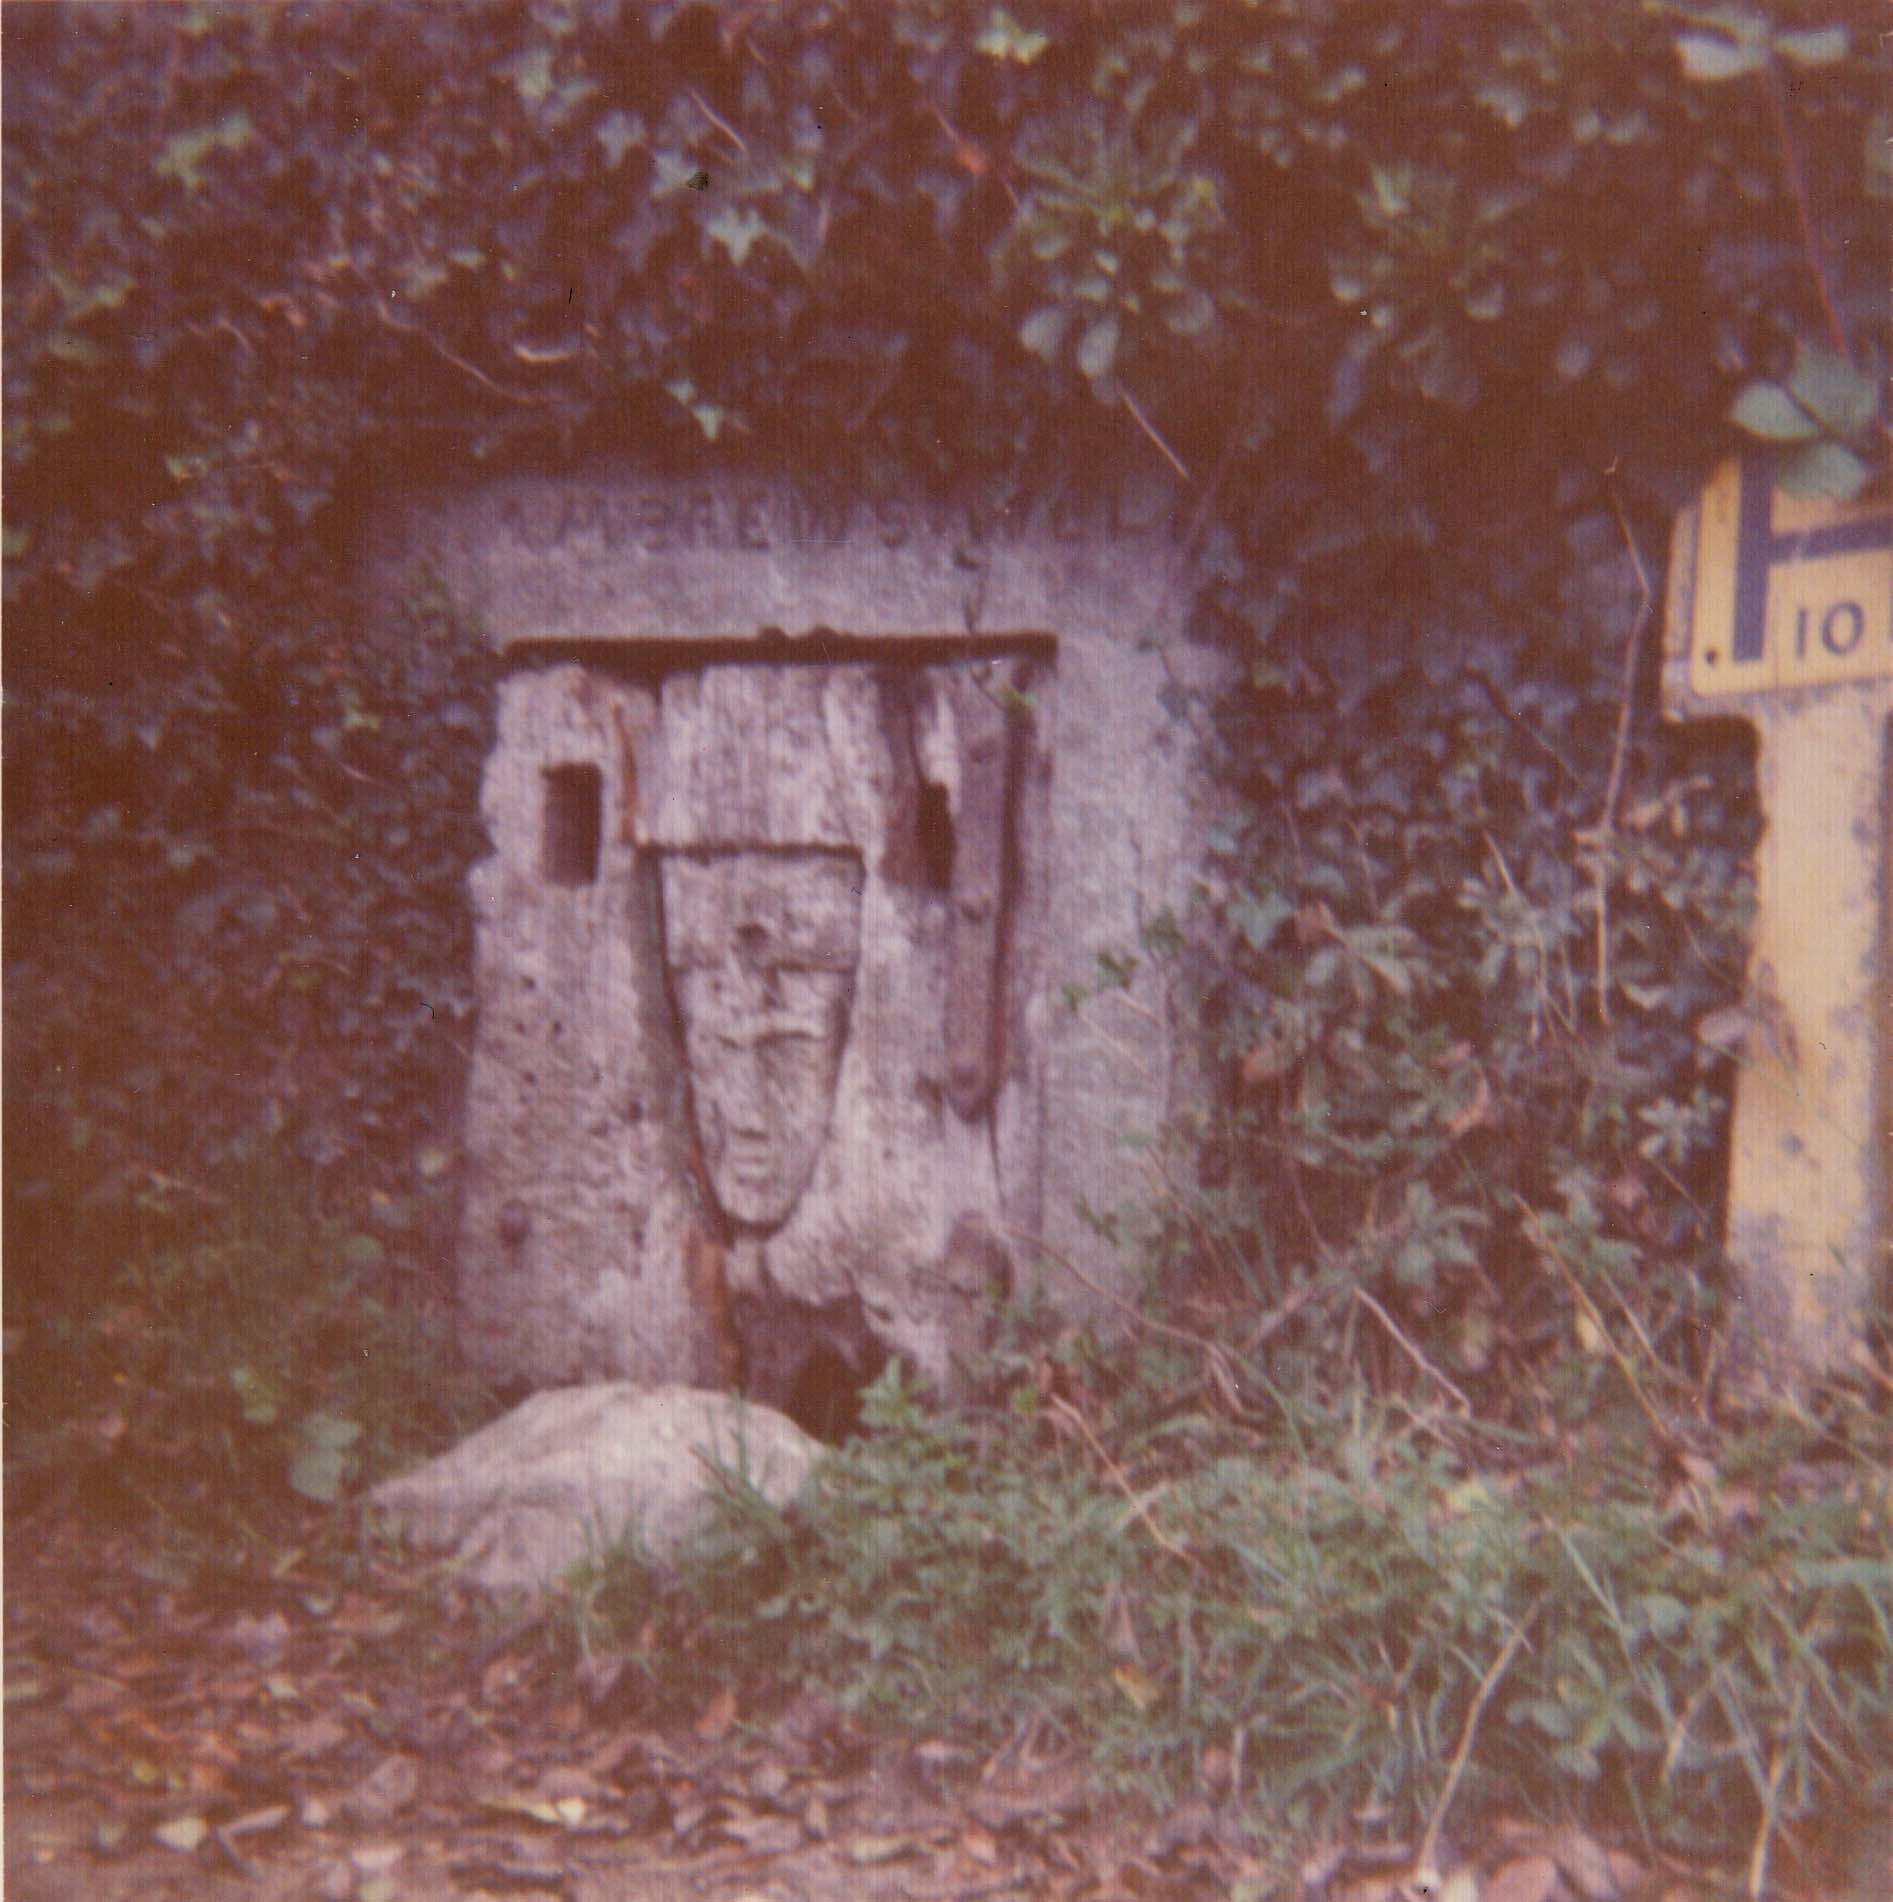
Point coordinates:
[(761, 947)]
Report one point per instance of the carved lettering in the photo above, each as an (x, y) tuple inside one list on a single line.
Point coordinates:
[(697, 520), (662, 519), (894, 520), (579, 515), (535, 518), (988, 521), (656, 519), (1067, 517), (818, 518), (752, 520), (1127, 519)]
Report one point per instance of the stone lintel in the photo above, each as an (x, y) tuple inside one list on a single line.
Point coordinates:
[(614, 556)]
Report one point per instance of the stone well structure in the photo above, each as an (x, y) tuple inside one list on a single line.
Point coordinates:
[(805, 816)]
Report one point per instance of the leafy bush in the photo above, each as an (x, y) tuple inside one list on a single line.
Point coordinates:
[(261, 261), (228, 1370), (1328, 1611), (1451, 958)]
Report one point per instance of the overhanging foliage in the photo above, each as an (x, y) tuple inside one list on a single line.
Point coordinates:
[(1378, 283)]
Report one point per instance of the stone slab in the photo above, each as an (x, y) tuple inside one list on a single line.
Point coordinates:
[(618, 556), (722, 698), (573, 1471)]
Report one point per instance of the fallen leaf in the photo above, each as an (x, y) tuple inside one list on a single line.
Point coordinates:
[(1585, 1862), (535, 1809), (1530, 1879), (1187, 1824), (980, 1845), (313, 1737), (500, 1676), (564, 1780), (864, 1851), (717, 1716), (252, 1822), (262, 1640), (1627, 1870), (1135, 1685), (762, 1835), (769, 1782), (598, 1677), (387, 1789), (182, 1833), (1374, 1889), (335, 1881)]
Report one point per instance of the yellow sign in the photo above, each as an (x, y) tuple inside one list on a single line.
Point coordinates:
[(1789, 591)]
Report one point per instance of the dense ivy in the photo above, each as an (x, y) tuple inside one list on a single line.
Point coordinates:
[(1405, 295)]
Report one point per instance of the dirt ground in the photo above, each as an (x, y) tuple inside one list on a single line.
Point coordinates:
[(395, 1743), (291, 1739)]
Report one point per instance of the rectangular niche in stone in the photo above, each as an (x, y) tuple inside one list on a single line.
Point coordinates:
[(759, 1079)]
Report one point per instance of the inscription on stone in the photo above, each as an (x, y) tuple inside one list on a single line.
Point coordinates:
[(739, 519)]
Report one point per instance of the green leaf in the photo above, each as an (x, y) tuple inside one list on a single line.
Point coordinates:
[(736, 229), (1573, 358), (1768, 411), (531, 73), (1710, 57), (317, 1473), (1004, 38), (322, 1459), (258, 1396), (1097, 350), (1044, 331), (618, 131), (1877, 156), (1191, 315), (1832, 389), (1662, 1614), (183, 156), (330, 1430), (1825, 468), (1813, 46), (1260, 918)]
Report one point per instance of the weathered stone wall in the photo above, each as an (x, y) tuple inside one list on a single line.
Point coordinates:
[(804, 816)]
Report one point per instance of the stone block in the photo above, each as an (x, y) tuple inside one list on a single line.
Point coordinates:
[(573, 1471), (807, 814)]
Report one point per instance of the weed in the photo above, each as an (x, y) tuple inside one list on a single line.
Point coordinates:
[(231, 1368)]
